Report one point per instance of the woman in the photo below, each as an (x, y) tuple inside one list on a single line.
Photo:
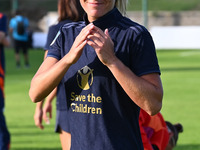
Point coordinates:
[(68, 11), (110, 70)]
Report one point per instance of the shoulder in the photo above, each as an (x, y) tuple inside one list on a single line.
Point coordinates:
[(12, 21), (72, 29), (73, 25), (57, 26), (132, 26), (52, 28)]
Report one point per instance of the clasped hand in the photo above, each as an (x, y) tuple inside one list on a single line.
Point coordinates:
[(99, 40)]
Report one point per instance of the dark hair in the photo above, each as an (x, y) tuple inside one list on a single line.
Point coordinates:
[(70, 9), (175, 129)]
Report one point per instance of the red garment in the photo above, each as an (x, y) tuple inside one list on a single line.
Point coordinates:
[(153, 131)]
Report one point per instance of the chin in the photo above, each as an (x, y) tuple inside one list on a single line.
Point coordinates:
[(96, 13)]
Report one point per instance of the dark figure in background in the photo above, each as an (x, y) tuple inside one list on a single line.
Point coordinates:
[(4, 134), (68, 11), (174, 130), (158, 134), (19, 28)]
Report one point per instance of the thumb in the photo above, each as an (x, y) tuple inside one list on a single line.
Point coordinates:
[(41, 126), (106, 32)]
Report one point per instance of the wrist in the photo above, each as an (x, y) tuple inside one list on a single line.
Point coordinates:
[(39, 105), (114, 63)]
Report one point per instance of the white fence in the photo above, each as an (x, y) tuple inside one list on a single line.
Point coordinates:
[(176, 37), (39, 39)]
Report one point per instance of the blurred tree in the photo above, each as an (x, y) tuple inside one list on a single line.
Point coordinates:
[(5, 5), (12, 5)]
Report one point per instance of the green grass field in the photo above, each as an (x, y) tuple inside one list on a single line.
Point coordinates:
[(20, 109), (180, 77), (167, 5)]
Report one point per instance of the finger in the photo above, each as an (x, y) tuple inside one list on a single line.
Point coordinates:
[(41, 126), (46, 118), (108, 35), (47, 121), (85, 32), (38, 118), (93, 44), (106, 32), (80, 40), (98, 30), (50, 114), (96, 36), (96, 40), (82, 45), (38, 123), (88, 28)]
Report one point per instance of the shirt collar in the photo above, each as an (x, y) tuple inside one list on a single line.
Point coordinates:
[(107, 20)]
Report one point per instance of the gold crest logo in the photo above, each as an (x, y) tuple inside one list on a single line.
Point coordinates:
[(85, 78)]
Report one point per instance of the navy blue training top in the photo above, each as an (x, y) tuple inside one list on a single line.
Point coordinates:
[(61, 103), (102, 116), (3, 28)]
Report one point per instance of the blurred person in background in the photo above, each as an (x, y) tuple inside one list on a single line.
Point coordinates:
[(68, 11), (154, 131), (158, 134), (19, 29), (110, 71), (174, 131), (4, 133)]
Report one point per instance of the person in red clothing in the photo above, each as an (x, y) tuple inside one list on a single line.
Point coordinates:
[(4, 133), (156, 133)]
